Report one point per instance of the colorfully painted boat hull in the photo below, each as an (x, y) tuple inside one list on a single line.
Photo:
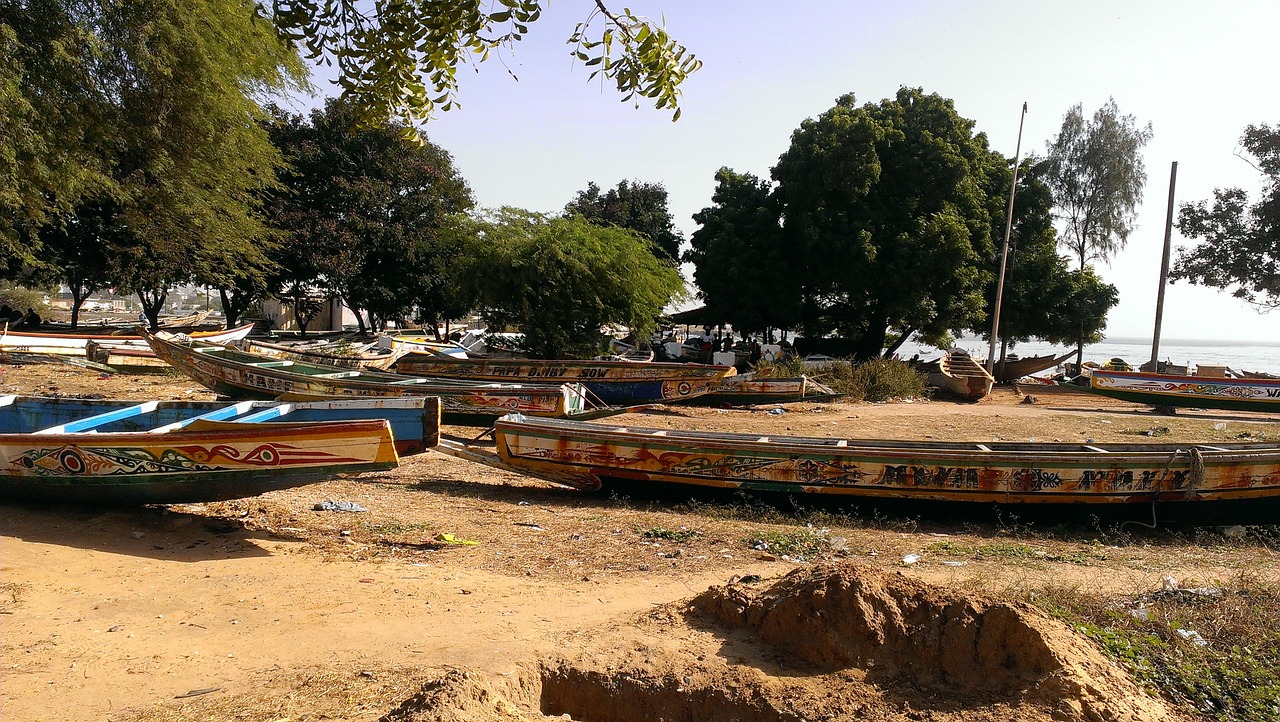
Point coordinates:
[(206, 461), (1189, 391), (1237, 482), (415, 422), (614, 383), (236, 374)]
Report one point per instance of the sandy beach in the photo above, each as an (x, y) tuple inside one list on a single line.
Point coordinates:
[(550, 602)]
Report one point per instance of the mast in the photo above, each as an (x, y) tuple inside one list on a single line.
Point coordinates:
[(1004, 254), (1164, 269)]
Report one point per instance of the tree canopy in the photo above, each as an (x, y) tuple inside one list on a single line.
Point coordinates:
[(1043, 298), (163, 128), (402, 58), (740, 259), (560, 280), (640, 207), (1239, 244), (886, 216), (1097, 175), (361, 212)]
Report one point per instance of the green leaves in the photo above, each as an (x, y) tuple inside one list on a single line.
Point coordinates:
[(386, 55), (561, 280), (1239, 242)]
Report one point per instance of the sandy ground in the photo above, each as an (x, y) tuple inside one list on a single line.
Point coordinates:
[(566, 602)]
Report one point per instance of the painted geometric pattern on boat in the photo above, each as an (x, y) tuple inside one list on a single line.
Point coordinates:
[(71, 460), (1193, 388)]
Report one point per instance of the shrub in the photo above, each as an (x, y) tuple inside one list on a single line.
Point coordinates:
[(875, 380)]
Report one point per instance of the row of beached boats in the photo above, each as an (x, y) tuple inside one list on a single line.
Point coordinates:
[(304, 421)]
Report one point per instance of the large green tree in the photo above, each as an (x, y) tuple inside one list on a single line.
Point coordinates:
[(640, 207), (1043, 298), (393, 59), (740, 258), (361, 211), (561, 280), (172, 139), (1239, 246), (886, 213), (1095, 171)]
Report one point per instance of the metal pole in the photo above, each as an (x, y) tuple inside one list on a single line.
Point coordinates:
[(1004, 254), (1164, 269)]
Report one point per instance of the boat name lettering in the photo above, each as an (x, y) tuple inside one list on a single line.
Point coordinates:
[(593, 373), (530, 373), (267, 382), (954, 477), (1125, 481), (1273, 393)]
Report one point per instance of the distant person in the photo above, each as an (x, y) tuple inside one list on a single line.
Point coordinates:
[(32, 319), (705, 345), (754, 356)]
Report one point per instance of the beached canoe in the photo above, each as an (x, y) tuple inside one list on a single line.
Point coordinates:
[(1012, 369), (614, 383), (70, 344), (362, 356), (415, 421), (749, 390), (957, 374), (195, 459), (1217, 483), (1199, 392), (241, 375)]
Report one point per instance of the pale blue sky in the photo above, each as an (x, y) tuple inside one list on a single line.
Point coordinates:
[(1198, 71)]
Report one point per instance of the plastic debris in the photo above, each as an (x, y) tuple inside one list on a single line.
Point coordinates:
[(449, 538), (910, 559), (955, 564), (1192, 636), (776, 412), (330, 505), (1140, 613), (1169, 584)]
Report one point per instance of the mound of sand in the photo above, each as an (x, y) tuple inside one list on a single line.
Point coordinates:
[(898, 630)]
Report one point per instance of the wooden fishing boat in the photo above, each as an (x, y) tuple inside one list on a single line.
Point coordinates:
[(1039, 386), (70, 344), (406, 344), (1215, 483), (621, 383), (957, 374), (241, 375), (749, 389), (1189, 391), (195, 459), (362, 356), (1011, 370), (415, 421)]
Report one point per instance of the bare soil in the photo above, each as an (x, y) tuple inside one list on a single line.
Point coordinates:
[(467, 593)]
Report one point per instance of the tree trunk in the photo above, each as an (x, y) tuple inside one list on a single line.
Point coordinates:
[(906, 334), (78, 295), (152, 304)]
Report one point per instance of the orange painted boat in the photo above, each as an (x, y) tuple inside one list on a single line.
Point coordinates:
[(1196, 483)]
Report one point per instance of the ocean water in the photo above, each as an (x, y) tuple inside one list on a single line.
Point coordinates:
[(1240, 355)]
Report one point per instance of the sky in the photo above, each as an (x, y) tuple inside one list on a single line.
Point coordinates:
[(1197, 71)]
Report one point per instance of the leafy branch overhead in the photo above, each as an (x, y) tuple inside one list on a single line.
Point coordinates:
[(1239, 243), (400, 58)]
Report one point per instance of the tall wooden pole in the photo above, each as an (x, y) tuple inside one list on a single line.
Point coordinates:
[(1164, 269), (1004, 254)]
